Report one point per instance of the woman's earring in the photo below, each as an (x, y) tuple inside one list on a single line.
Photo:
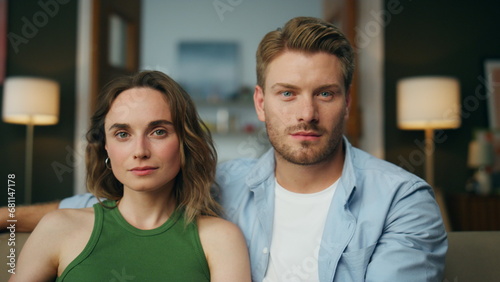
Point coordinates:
[(107, 164)]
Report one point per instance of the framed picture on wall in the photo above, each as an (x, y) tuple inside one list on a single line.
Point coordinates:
[(209, 71), (492, 72)]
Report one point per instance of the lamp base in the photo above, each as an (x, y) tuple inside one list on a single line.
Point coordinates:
[(30, 128)]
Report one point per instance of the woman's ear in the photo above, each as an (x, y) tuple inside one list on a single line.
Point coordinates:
[(258, 100)]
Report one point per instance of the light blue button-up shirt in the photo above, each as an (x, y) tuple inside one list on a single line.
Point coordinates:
[(383, 223)]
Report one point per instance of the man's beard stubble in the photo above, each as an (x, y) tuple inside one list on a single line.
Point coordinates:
[(308, 153)]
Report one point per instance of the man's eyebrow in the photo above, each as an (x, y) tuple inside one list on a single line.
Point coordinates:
[(293, 87), (284, 85), (329, 86)]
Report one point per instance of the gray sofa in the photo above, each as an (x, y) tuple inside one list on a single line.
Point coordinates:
[(472, 256)]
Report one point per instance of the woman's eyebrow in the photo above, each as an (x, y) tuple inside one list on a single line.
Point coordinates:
[(159, 122), (151, 124), (119, 126)]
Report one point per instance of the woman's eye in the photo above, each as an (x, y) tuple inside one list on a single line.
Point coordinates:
[(121, 135), (286, 94), (159, 132)]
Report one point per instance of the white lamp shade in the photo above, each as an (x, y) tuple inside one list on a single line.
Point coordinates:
[(30, 100), (428, 102)]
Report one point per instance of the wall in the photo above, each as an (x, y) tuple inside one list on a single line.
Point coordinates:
[(45, 47), (166, 23), (450, 38), (370, 63)]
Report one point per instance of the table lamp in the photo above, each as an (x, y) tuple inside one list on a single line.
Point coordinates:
[(429, 103), (31, 101)]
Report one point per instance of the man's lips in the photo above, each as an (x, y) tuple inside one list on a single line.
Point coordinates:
[(144, 170), (306, 135)]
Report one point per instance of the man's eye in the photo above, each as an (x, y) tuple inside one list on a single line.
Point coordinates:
[(325, 94), (286, 94)]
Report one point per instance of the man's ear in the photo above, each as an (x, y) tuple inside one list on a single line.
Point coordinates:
[(348, 99), (258, 100)]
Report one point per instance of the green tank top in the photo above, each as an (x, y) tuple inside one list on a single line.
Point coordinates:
[(117, 251)]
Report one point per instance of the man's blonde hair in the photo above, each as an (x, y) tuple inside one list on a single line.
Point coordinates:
[(308, 35)]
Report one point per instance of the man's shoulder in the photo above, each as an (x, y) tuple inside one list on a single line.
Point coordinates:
[(236, 165), (238, 168), (85, 200), (364, 161), (237, 178), (369, 169), (234, 172)]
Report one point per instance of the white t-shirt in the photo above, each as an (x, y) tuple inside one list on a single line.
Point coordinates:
[(298, 225)]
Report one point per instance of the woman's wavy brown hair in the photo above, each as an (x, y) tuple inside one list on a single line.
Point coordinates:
[(193, 184)]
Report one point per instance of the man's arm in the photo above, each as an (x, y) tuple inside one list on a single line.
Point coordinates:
[(414, 243), (27, 216)]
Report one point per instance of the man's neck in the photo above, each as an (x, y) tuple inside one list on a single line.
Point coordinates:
[(310, 178)]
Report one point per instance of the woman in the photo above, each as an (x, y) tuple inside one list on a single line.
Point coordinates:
[(150, 154)]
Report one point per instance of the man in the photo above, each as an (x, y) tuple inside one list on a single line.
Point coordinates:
[(314, 208)]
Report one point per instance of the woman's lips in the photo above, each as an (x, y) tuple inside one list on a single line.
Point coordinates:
[(141, 171)]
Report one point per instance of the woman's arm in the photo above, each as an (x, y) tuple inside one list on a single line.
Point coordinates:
[(38, 260), (225, 249), (56, 241)]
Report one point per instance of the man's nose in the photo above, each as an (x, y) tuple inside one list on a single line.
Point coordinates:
[(307, 110)]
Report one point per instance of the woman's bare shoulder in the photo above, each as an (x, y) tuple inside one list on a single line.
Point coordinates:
[(56, 240), (66, 219), (69, 230), (225, 249), (216, 225), (215, 232)]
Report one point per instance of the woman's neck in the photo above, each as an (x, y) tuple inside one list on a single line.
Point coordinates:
[(147, 210)]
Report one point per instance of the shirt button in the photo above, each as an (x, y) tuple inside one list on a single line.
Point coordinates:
[(265, 251)]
